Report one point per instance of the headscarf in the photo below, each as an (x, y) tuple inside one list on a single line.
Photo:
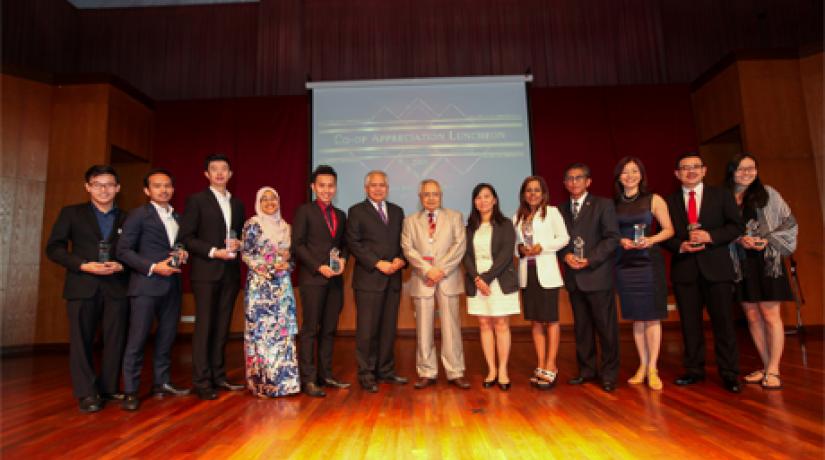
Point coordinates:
[(274, 228)]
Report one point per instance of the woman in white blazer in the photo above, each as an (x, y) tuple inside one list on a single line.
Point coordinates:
[(540, 232)]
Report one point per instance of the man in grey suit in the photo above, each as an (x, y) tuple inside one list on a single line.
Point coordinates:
[(433, 241)]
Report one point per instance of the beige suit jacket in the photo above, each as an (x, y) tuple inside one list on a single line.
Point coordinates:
[(447, 249)]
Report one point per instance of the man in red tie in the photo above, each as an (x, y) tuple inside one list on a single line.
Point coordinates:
[(318, 245), (705, 220)]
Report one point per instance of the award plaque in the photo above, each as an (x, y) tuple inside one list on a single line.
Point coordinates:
[(282, 252), (639, 233), (104, 251), (527, 232), (578, 248), (334, 255), (752, 230), (231, 235)]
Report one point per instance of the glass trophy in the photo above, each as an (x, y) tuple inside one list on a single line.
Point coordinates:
[(578, 248), (281, 253), (639, 233), (231, 235), (692, 227), (104, 251), (177, 256), (752, 230), (527, 232), (334, 264)]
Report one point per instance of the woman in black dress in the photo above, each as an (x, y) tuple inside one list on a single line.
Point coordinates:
[(762, 283), (640, 271)]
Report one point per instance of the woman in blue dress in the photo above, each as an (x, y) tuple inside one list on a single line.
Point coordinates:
[(640, 270), (271, 325)]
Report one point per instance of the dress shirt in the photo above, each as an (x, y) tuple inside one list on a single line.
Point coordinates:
[(686, 196), (169, 223), (105, 220)]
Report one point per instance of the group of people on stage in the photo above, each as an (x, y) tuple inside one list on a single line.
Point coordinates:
[(726, 242)]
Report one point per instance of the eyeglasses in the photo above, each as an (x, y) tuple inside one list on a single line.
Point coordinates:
[(430, 194), (695, 167), (747, 169), (100, 186), (575, 178)]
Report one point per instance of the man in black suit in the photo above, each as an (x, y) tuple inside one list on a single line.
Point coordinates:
[(591, 223), (95, 287), (317, 232), (705, 220), (374, 238), (212, 221), (147, 246)]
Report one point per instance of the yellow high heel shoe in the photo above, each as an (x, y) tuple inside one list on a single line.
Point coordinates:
[(653, 380), (638, 378)]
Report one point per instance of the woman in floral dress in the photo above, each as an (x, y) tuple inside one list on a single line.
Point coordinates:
[(271, 325)]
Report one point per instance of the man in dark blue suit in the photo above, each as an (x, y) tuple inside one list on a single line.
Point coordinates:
[(147, 246)]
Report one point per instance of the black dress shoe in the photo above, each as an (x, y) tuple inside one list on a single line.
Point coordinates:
[(90, 404), (689, 379), (206, 394), (334, 383), (370, 387), (579, 380), (394, 379), (169, 389), (609, 387), (130, 402), (312, 389), (229, 386), (460, 382), (423, 382), (732, 385), (114, 396)]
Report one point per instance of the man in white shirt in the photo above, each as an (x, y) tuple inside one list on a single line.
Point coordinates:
[(147, 246)]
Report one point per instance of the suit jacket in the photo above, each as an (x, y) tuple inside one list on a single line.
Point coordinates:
[(312, 241), (370, 240), (720, 217), (447, 250), (144, 242), (203, 228), (551, 234), (598, 227), (503, 243), (77, 224)]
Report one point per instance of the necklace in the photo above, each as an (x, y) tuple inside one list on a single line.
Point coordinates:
[(630, 199)]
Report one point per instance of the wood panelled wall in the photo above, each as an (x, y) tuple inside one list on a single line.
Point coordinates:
[(26, 118), (270, 47), (765, 99)]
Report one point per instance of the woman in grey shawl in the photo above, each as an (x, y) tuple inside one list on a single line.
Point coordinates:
[(762, 282)]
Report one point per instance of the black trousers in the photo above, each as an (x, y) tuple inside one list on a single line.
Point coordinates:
[(145, 309), (718, 297), (321, 306), (596, 312), (84, 316), (214, 302), (375, 326)]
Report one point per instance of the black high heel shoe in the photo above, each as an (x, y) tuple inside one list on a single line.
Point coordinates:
[(504, 386), (488, 383)]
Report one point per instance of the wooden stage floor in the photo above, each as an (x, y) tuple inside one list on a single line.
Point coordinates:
[(40, 418)]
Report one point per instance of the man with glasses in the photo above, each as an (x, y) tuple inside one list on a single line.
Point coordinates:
[(82, 240), (588, 276), (433, 241), (705, 220)]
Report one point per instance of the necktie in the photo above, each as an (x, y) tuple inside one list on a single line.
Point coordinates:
[(382, 214), (693, 213), (431, 228), (575, 210), (329, 219)]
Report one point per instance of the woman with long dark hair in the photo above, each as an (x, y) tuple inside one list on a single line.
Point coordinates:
[(640, 270), (540, 232), (761, 281), (490, 280)]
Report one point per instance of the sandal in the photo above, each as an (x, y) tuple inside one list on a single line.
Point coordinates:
[(653, 380), (639, 377), (765, 384), (755, 377), (549, 377)]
